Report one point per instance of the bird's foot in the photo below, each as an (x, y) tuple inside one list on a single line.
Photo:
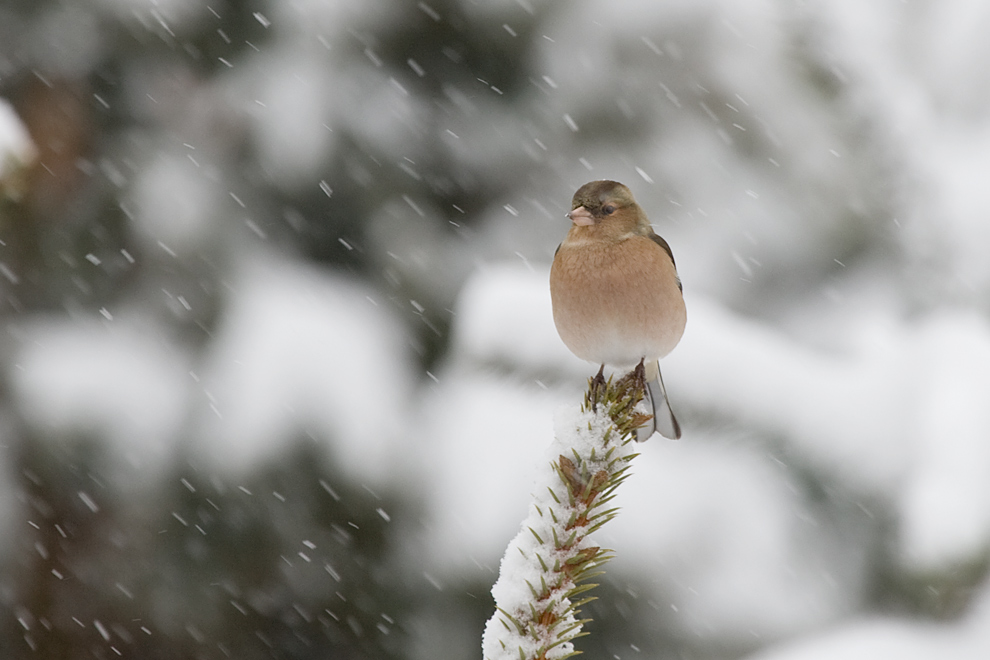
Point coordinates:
[(597, 387), (639, 373), (635, 381)]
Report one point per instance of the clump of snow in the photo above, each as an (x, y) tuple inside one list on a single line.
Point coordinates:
[(175, 203), (302, 351), (524, 566), (722, 532), (292, 117), (898, 416), (118, 380), (945, 502), (486, 434), (504, 317), (847, 414), (904, 639), (16, 147)]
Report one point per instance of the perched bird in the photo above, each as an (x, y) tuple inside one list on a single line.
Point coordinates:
[(617, 298)]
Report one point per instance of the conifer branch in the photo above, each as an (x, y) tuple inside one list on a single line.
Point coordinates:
[(552, 549)]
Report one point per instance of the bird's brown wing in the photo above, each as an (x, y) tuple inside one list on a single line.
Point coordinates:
[(662, 243)]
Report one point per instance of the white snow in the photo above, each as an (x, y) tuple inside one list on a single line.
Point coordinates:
[(291, 113), (300, 356), (304, 353), (945, 504), (486, 436), (503, 317), (874, 638), (890, 416), (16, 147), (176, 202), (121, 381), (717, 532), (917, 70), (849, 414), (898, 417), (575, 433), (818, 168)]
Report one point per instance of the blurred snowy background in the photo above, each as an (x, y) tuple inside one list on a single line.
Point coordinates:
[(277, 357)]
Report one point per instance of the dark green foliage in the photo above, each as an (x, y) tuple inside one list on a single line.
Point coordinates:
[(290, 562)]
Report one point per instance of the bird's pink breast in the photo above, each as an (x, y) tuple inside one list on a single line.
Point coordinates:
[(615, 303)]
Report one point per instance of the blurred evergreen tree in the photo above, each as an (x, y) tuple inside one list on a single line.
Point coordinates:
[(295, 561)]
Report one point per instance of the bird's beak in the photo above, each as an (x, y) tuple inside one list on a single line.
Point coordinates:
[(581, 216)]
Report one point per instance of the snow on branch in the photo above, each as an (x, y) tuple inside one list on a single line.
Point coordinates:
[(543, 579)]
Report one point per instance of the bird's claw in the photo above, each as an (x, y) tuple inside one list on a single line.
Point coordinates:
[(635, 382), (639, 374), (597, 387), (635, 379)]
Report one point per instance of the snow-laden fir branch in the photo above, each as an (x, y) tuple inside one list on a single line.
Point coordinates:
[(543, 579)]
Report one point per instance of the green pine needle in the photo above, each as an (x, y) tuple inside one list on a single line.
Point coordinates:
[(566, 559)]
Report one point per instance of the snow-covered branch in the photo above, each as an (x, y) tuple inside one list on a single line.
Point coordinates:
[(543, 580)]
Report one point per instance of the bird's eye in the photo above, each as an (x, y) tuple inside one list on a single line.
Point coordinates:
[(608, 209)]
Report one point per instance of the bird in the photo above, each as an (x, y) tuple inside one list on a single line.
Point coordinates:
[(616, 296)]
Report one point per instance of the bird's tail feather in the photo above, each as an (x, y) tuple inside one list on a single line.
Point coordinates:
[(663, 421)]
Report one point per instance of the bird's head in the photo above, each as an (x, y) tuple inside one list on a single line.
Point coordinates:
[(604, 201)]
